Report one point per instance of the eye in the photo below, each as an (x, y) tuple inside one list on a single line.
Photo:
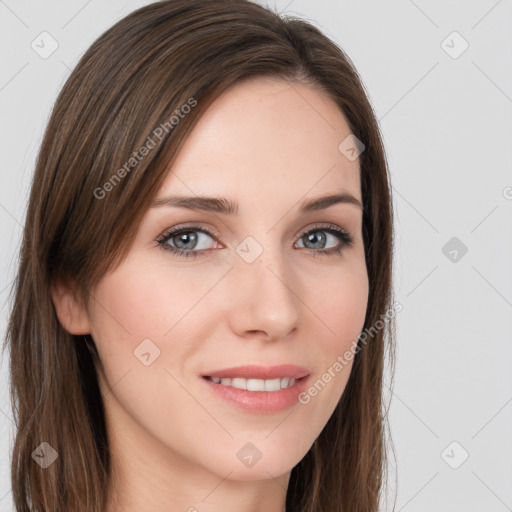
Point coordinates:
[(187, 241), (192, 241), (317, 237)]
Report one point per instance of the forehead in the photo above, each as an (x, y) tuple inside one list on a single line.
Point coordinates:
[(263, 140)]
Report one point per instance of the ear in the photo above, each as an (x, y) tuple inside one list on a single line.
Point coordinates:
[(71, 313)]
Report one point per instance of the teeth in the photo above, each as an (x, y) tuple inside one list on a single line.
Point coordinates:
[(238, 383), (255, 384)]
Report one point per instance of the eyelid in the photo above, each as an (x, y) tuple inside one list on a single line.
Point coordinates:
[(210, 231), (319, 226), (196, 226)]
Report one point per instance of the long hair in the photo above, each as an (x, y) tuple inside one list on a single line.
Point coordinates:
[(136, 78)]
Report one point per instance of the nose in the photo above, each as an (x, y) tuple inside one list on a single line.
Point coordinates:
[(263, 300)]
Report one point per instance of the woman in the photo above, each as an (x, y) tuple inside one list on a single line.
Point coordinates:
[(197, 320)]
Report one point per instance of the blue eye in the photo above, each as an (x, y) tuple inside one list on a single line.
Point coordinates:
[(189, 241), (317, 235), (186, 239)]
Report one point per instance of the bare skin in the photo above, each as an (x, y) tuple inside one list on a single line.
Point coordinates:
[(268, 145)]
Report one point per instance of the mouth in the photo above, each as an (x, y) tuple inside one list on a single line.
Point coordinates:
[(282, 371), (255, 384), (258, 389)]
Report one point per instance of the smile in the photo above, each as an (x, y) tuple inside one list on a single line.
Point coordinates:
[(255, 384)]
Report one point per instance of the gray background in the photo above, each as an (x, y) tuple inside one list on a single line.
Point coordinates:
[(447, 126)]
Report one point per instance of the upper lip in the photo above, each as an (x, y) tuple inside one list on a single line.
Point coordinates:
[(260, 372)]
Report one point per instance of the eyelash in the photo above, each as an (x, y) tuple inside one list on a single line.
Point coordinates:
[(342, 235)]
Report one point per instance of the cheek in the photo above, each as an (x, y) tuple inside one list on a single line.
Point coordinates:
[(342, 309), (133, 304), (350, 309), (340, 303), (152, 317), (127, 311)]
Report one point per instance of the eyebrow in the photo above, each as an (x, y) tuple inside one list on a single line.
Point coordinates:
[(227, 207)]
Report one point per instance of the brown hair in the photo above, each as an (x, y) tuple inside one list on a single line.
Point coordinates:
[(131, 80)]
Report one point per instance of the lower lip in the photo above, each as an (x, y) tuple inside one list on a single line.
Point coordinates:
[(260, 402)]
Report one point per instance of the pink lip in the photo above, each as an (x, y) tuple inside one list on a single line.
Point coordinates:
[(260, 372), (260, 402)]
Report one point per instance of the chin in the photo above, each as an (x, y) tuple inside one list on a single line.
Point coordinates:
[(260, 471)]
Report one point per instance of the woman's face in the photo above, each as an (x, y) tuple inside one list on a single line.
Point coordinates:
[(263, 287)]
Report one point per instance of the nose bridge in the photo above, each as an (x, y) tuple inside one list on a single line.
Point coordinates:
[(265, 298)]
